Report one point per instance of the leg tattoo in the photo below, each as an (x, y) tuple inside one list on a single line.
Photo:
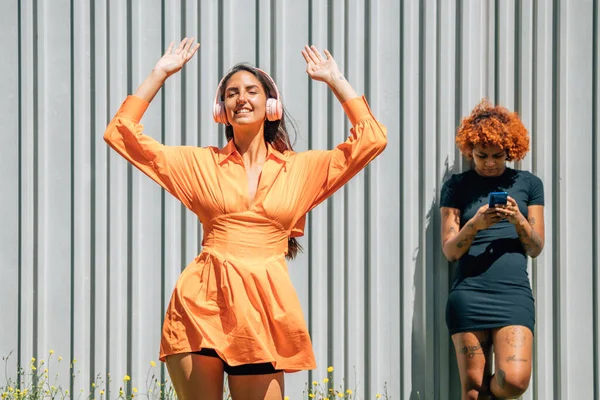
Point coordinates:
[(514, 358), (472, 351), (501, 378), (516, 338)]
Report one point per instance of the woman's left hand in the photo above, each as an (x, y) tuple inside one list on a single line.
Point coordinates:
[(319, 68), (510, 211)]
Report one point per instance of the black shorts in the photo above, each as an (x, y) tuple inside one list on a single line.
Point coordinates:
[(245, 369)]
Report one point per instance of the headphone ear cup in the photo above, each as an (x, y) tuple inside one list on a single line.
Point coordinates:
[(274, 109), (219, 113)]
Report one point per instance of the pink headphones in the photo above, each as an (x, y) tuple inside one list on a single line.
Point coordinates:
[(274, 108)]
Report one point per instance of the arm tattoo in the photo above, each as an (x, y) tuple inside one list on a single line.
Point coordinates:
[(536, 238), (452, 229), (532, 242), (532, 221), (468, 238)]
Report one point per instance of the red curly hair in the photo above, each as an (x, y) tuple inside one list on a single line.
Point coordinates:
[(490, 125)]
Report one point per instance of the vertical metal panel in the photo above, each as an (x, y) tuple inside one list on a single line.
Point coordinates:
[(91, 249), (575, 203), (541, 140), (11, 203)]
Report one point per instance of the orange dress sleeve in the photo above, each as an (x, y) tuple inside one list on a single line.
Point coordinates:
[(327, 171), (172, 167)]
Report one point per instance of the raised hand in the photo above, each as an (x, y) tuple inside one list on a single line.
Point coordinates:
[(320, 68), (173, 60)]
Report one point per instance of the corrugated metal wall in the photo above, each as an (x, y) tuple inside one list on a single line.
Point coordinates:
[(90, 249)]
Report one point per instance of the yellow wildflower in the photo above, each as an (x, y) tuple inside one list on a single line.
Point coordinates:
[(101, 392), (325, 380), (349, 391), (152, 364), (126, 378), (134, 390), (59, 358), (315, 383), (33, 368), (330, 369), (67, 392), (340, 394), (330, 390), (46, 370), (121, 392), (32, 359), (51, 352), (93, 385), (10, 389), (41, 362), (286, 398), (74, 361), (378, 395), (311, 395)]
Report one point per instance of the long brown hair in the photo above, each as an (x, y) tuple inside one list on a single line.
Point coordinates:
[(275, 132)]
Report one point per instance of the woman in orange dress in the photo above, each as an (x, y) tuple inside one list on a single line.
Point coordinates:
[(234, 308)]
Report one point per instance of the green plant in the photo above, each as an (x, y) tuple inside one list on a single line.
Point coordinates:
[(35, 382), (326, 390), (39, 380)]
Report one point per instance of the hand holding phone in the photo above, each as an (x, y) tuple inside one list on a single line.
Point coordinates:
[(497, 198)]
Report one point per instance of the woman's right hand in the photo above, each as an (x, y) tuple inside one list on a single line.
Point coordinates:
[(485, 217), (173, 60)]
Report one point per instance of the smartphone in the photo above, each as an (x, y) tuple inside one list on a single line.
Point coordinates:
[(497, 198)]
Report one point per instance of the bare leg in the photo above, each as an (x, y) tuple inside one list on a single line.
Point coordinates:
[(513, 350), (256, 387), (472, 354), (196, 377)]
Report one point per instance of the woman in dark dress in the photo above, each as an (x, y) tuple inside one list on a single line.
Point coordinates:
[(490, 301)]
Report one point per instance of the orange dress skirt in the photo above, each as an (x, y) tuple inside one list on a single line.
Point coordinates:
[(236, 297)]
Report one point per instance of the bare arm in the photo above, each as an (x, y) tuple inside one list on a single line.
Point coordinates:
[(455, 241), (530, 230)]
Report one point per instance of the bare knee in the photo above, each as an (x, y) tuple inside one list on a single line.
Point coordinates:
[(476, 395), (516, 387), (474, 385), (512, 384)]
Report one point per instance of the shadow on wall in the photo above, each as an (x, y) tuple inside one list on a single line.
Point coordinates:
[(433, 368)]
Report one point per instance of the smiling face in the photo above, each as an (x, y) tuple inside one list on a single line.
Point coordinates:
[(245, 100), (490, 160)]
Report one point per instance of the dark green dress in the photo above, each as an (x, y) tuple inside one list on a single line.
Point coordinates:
[(491, 288)]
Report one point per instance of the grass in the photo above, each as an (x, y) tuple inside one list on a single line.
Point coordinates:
[(40, 379)]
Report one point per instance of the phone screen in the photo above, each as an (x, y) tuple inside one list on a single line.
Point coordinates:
[(497, 198)]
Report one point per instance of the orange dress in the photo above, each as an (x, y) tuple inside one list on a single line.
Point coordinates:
[(236, 296)]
